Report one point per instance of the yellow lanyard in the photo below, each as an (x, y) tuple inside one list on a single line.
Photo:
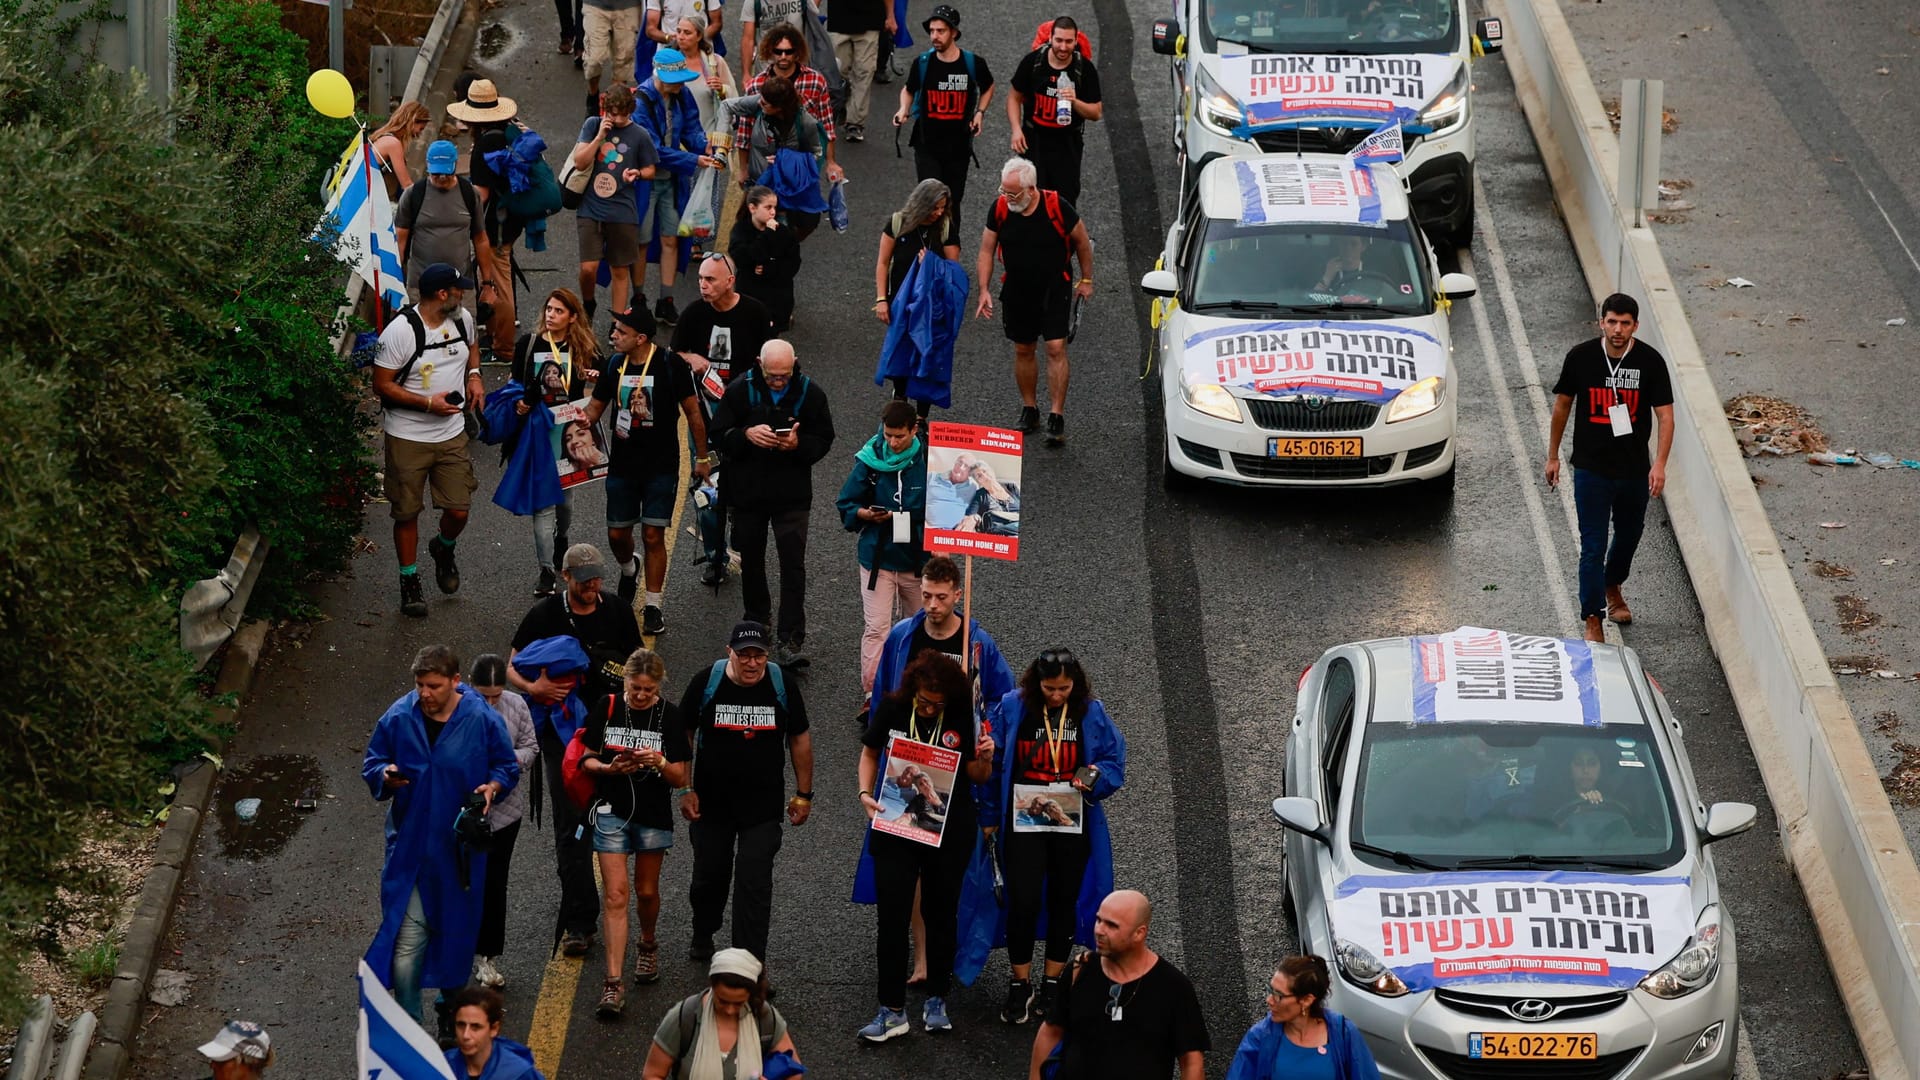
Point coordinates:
[(913, 723), (565, 362), (1054, 737), (644, 368)]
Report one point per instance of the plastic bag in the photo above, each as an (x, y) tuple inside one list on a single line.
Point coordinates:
[(698, 220), (837, 206)]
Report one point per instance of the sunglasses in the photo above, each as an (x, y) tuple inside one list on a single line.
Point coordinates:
[(786, 52), (931, 706), (1055, 661), (719, 257), (1113, 999)]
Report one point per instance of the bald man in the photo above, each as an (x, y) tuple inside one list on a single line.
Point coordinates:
[(773, 425), (1135, 1014)]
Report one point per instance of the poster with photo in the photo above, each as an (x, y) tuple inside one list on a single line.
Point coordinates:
[(1041, 808), (579, 448), (974, 493), (916, 789)]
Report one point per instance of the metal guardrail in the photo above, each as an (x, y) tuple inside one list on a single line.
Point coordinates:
[(211, 610)]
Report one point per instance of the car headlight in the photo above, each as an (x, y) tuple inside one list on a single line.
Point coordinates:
[(1212, 399), (1417, 400), (1696, 965), (1362, 967), (1214, 108), (1449, 110)]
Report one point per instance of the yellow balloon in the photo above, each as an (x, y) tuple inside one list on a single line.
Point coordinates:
[(330, 94)]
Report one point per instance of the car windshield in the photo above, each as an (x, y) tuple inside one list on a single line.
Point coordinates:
[(1326, 271), (1356, 26), (1517, 795)]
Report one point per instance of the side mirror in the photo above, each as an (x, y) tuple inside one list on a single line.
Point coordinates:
[(1490, 35), (1166, 33), (1458, 286), (1726, 819), (1302, 816), (1162, 283)]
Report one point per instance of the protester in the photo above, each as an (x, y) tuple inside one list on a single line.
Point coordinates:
[(1127, 1013), (933, 705), (767, 255), (555, 366), (937, 625), (1036, 234), (612, 30), (945, 99), (439, 220), (489, 678), (433, 748), (490, 118), (760, 18), (480, 1051), (662, 18), (240, 1050), (693, 35), (1058, 739), (389, 145), (854, 27), (607, 634), (1300, 1036), (737, 717), (783, 54), (1055, 93), (1613, 477), (643, 478), (888, 479), (672, 117), (620, 155), (418, 377), (773, 425), (782, 144), (918, 355), (626, 740), (573, 35), (728, 1030)]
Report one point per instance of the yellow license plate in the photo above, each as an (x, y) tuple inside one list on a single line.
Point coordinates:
[(1320, 448), (1514, 1046)]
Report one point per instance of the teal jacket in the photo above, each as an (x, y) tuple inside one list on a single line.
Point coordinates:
[(905, 491)]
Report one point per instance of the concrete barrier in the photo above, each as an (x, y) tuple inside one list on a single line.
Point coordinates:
[(1837, 828)]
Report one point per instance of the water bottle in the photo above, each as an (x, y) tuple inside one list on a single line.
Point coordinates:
[(1822, 457), (1062, 108)]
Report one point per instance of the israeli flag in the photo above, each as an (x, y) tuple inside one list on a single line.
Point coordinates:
[(393, 1045), (1385, 146), (365, 221)]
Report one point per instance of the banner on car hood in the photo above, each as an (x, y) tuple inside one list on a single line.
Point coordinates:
[(1285, 88), (1456, 929), (1475, 674), (1347, 361)]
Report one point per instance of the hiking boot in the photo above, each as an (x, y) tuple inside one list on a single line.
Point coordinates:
[(935, 1015), (1595, 630), (885, 1025), (1056, 429), (486, 973), (613, 1000), (1019, 1004), (575, 943), (1029, 419), (664, 310), (652, 620), (1617, 609), (715, 574), (700, 949), (413, 599), (548, 581), (856, 133), (593, 104), (790, 654), (646, 963), (566, 44), (1043, 996), (590, 305), (446, 572), (629, 588)]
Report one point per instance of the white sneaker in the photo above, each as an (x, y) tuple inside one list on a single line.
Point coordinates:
[(486, 974)]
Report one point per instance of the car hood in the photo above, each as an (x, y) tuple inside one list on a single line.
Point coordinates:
[(1346, 361), (1331, 90), (1463, 929)]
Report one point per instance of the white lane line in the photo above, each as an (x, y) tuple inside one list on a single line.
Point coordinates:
[(1523, 460), (1864, 186), (1744, 1067)]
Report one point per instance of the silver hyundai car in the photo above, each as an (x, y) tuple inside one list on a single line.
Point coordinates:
[(1496, 841)]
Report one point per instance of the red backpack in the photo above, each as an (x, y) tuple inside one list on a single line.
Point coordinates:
[(1049, 205), (1045, 31)]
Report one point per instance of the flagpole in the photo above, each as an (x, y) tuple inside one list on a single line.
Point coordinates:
[(379, 295)]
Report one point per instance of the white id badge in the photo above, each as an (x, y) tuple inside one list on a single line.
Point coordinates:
[(1621, 420), (902, 527), (623, 423)]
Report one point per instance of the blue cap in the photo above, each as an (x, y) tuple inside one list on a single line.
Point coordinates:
[(443, 158), (442, 276), (671, 66)]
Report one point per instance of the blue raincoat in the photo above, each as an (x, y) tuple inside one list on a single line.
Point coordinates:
[(510, 1061), (673, 124), (901, 38), (530, 482), (794, 175), (1348, 1048), (516, 161), (557, 656), (504, 422), (1101, 745), (422, 851), (928, 312)]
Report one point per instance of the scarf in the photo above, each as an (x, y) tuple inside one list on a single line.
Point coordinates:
[(707, 1058), (875, 455)]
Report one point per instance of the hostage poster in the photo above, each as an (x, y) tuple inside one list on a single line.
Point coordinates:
[(1324, 88), (974, 495), (1039, 808), (579, 448), (1351, 361), (1475, 674), (915, 790)]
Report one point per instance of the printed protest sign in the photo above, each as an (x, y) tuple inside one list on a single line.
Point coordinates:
[(579, 448), (915, 790), (1281, 189), (1476, 674), (1319, 88), (1352, 361), (973, 491), (1387, 145), (1519, 926), (1042, 808)]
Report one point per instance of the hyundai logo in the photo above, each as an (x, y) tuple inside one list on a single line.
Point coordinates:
[(1532, 1010)]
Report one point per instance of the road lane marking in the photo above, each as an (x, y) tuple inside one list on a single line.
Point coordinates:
[(553, 1009)]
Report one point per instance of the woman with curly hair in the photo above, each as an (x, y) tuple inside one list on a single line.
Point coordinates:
[(556, 365)]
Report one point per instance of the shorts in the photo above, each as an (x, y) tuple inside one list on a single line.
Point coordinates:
[(1031, 316), (411, 466), (647, 500), (616, 241), (663, 208), (614, 835)]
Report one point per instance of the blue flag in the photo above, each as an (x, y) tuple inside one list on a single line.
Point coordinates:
[(364, 218), (393, 1045)]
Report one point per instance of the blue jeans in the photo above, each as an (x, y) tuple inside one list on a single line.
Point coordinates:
[(1597, 500), (409, 950)]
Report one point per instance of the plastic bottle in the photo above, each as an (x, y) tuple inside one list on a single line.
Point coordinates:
[(1063, 109), (1822, 457)]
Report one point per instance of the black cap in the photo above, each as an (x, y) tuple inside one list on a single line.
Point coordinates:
[(442, 276), (748, 635), (946, 13), (639, 320)]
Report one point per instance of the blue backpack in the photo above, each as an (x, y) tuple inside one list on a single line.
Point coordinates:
[(922, 64)]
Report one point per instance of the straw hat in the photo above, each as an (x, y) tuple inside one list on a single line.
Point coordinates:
[(483, 103)]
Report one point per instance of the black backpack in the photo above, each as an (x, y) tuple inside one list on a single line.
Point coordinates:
[(411, 313)]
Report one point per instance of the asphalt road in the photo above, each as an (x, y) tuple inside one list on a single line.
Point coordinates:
[(1194, 615)]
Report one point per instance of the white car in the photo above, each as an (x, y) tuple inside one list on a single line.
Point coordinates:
[(1317, 75), (1301, 329)]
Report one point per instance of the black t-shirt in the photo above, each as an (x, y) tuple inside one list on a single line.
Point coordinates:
[(608, 633), (651, 387), (909, 243), (740, 771), (949, 98), (1039, 80), (952, 730), (1037, 254), (922, 641), (1158, 1019), (434, 728), (730, 340), (1640, 382), (549, 369), (639, 797), (1034, 760)]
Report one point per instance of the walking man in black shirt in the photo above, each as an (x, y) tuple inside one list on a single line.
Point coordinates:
[(1055, 93), (1036, 234), (1621, 386), (946, 97), (735, 720), (1130, 1014)]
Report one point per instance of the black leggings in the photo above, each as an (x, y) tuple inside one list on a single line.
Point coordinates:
[(493, 908), (898, 865), (1060, 861)]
